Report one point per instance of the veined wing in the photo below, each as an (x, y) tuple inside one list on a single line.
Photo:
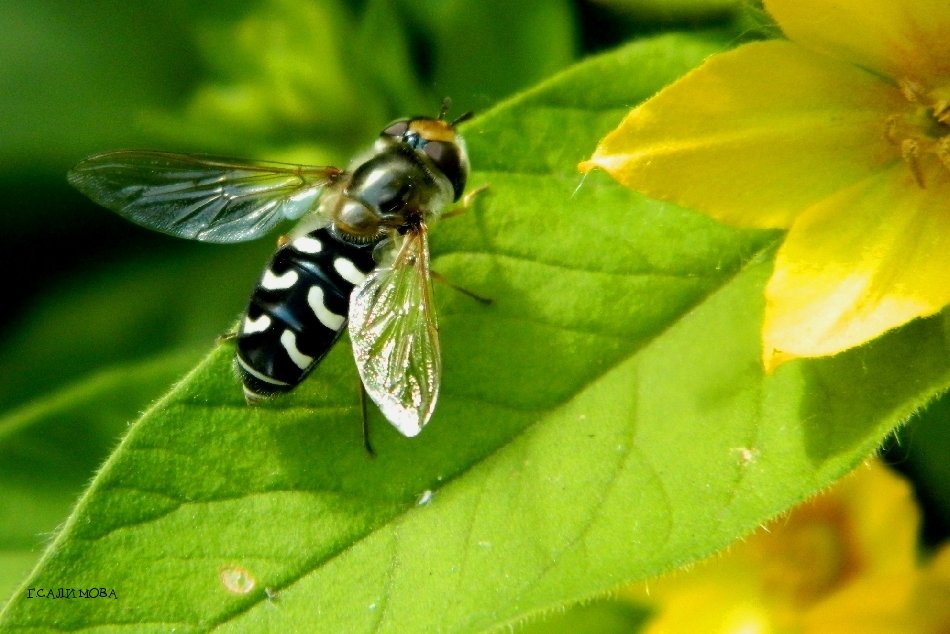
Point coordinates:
[(395, 336), (200, 197)]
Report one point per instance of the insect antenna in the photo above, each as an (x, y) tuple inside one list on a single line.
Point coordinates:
[(465, 116), (444, 110)]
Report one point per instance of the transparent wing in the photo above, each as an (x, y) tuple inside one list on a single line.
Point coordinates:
[(395, 336), (200, 197)]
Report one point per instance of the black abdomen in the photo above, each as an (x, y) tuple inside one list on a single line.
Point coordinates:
[(298, 310)]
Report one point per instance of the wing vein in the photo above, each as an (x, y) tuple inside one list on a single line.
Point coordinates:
[(199, 197)]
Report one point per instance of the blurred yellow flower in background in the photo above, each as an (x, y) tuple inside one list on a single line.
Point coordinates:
[(840, 135), (843, 562)]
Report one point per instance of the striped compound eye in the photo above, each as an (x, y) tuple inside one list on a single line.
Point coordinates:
[(447, 156), (397, 128)]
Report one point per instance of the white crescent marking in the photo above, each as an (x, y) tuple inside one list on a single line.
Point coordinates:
[(348, 271), (306, 244), (289, 340), (260, 324), (327, 317), (273, 282)]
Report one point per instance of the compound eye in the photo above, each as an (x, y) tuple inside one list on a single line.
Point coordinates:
[(446, 157), (397, 128), (437, 151)]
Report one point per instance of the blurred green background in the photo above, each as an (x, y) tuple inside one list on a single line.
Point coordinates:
[(101, 316)]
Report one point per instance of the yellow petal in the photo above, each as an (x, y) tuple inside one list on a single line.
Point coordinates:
[(884, 520), (843, 561), (755, 135), (872, 605), (898, 38), (867, 259), (875, 519), (931, 608), (711, 609)]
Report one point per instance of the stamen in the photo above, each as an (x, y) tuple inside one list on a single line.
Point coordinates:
[(943, 152), (922, 131), (910, 151), (891, 125), (941, 111), (912, 91)]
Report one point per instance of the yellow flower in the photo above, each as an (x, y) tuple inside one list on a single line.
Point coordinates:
[(842, 136), (843, 562)]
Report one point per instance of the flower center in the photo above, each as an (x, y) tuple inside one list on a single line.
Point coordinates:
[(923, 131), (823, 534)]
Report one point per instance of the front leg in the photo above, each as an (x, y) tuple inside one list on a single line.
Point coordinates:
[(467, 200)]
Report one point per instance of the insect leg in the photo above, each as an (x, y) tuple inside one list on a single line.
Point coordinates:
[(366, 442), (227, 337), (467, 201), (438, 277)]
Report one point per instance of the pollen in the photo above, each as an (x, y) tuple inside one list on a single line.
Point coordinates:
[(922, 131)]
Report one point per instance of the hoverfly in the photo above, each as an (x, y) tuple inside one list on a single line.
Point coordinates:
[(359, 254)]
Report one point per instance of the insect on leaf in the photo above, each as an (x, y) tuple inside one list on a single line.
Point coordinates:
[(605, 420)]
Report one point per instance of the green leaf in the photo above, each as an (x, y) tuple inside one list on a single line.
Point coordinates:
[(50, 448), (597, 617), (605, 420)]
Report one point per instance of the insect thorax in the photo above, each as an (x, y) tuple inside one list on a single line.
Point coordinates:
[(391, 189)]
